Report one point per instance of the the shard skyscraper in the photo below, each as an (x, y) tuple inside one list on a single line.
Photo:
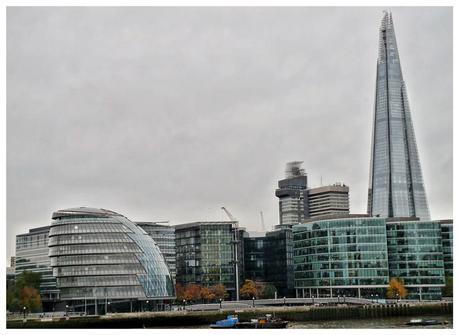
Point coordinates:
[(396, 186)]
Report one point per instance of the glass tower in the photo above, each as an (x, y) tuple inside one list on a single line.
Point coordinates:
[(396, 186)]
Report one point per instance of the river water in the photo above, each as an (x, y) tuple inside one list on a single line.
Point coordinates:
[(388, 322)]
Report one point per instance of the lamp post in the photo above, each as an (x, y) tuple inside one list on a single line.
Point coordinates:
[(184, 303), (24, 310), (338, 298), (312, 296), (377, 297), (344, 298), (284, 301), (148, 306), (398, 297), (253, 301), (220, 303), (66, 310), (109, 309), (372, 298)]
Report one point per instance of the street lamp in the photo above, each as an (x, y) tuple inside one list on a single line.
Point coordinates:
[(372, 298), (148, 306), (377, 297), (312, 296), (344, 298), (184, 303), (66, 310), (398, 297), (253, 301), (220, 303), (284, 301), (24, 310), (109, 309)]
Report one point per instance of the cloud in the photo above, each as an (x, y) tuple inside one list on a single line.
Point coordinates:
[(170, 113)]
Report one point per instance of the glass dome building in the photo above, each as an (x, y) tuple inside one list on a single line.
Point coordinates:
[(103, 262)]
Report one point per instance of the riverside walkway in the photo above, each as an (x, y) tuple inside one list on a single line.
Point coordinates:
[(243, 304)]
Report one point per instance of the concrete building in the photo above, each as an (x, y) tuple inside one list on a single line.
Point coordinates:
[(298, 202), (205, 254), (103, 262), (326, 200), (32, 255), (164, 236)]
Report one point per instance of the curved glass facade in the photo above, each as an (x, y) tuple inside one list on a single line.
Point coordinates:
[(100, 254), (340, 254)]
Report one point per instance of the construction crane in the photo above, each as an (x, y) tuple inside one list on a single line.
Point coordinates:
[(235, 242), (262, 221), (231, 217)]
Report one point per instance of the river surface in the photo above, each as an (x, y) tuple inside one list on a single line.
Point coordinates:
[(388, 322)]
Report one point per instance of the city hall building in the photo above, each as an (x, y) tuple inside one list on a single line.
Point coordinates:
[(103, 263)]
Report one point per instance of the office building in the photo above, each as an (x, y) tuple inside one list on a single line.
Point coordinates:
[(345, 256), (357, 255), (255, 262), (326, 200), (396, 187), (103, 262), (447, 243), (269, 259), (279, 258), (164, 236), (297, 202), (415, 255), (32, 255), (205, 254), (292, 194)]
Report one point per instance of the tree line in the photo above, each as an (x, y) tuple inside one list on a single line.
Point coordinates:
[(24, 291)]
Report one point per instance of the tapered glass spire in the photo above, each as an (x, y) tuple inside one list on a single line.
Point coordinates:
[(396, 186)]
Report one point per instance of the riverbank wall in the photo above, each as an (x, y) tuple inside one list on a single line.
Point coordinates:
[(189, 319)]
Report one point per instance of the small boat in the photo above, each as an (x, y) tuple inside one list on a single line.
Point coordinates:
[(423, 322), (267, 321), (229, 322)]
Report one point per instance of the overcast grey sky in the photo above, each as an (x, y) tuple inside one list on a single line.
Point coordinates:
[(170, 113)]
